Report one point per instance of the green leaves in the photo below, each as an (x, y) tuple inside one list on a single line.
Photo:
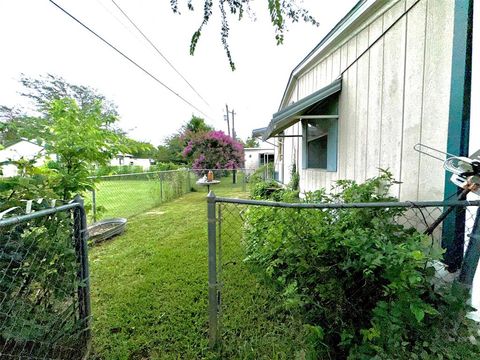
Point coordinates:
[(78, 140), (280, 11), (357, 274)]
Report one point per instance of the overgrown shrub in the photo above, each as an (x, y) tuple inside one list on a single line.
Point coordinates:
[(360, 282), (106, 170), (38, 285), (264, 190), (294, 178), (263, 173), (164, 166)]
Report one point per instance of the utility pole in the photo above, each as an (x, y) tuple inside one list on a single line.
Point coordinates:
[(227, 119), (233, 124)]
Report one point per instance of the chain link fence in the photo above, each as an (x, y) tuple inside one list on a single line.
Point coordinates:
[(230, 219), (127, 195), (44, 282)]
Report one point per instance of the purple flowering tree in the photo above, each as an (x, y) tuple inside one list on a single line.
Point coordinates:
[(214, 150)]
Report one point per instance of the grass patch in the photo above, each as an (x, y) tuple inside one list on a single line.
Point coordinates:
[(132, 195), (149, 293)]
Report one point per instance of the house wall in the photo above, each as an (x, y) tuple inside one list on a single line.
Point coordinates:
[(395, 94), (127, 160), (252, 157), (22, 149)]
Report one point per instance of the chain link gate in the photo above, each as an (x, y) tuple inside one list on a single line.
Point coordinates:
[(44, 283), (226, 223)]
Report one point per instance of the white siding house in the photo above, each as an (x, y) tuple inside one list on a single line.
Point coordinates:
[(391, 74), (23, 149), (256, 157), (130, 160)]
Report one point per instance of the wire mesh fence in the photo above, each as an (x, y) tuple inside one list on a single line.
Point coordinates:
[(127, 195), (242, 230), (44, 289)]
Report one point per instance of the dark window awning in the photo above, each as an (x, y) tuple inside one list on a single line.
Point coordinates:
[(292, 113)]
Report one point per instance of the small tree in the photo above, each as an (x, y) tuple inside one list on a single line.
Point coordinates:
[(251, 142), (214, 150), (174, 144), (78, 139)]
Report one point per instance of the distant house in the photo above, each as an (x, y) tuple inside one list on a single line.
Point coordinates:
[(389, 75), (130, 160), (24, 149), (256, 157)]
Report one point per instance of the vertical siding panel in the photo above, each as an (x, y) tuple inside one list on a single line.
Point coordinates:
[(322, 179), (362, 41), (375, 30), (312, 83), (321, 75), (352, 51), (393, 14), (343, 117), (336, 64), (392, 99), (335, 73), (436, 94), (329, 69), (412, 116), (343, 57), (362, 108), (325, 76), (375, 99), (351, 114)]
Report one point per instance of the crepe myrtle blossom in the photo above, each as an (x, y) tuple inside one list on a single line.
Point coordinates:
[(214, 150)]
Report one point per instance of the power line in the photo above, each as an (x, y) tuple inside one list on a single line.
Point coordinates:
[(129, 59), (158, 51), (118, 20)]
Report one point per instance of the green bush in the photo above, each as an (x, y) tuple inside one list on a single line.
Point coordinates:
[(164, 167), (38, 284), (106, 170), (294, 178), (263, 173), (360, 282)]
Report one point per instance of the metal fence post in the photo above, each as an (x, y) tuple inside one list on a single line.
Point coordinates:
[(94, 205), (81, 249), (212, 270), (161, 187), (472, 255), (244, 182)]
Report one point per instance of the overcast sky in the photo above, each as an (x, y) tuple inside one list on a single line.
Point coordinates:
[(37, 38)]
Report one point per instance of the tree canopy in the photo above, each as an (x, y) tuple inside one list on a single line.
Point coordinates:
[(175, 143), (16, 123), (251, 142), (79, 139), (214, 150), (280, 12)]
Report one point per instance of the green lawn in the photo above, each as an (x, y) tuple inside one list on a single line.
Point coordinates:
[(149, 292), (129, 196)]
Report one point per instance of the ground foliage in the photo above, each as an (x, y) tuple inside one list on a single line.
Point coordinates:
[(38, 283), (360, 282), (149, 293)]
